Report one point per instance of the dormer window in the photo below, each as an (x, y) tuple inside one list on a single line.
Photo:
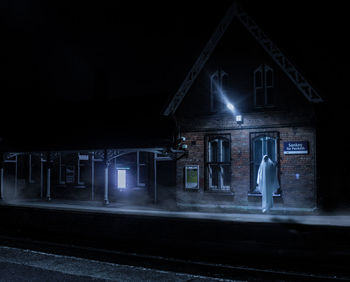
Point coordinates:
[(263, 86), (217, 85)]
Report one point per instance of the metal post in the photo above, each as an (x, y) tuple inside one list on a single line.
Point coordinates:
[(106, 201), (138, 168), (41, 176), (30, 169), (2, 182), (155, 178), (16, 173), (78, 168), (92, 176), (60, 169), (48, 183), (1, 176), (115, 173), (48, 191)]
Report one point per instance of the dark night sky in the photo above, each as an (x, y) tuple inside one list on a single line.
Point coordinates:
[(55, 53)]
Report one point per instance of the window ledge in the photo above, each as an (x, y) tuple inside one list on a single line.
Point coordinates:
[(191, 189), (260, 195), (221, 192)]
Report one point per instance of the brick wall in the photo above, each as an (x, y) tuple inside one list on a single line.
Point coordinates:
[(295, 192)]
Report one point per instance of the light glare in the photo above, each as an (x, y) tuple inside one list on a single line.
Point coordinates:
[(230, 106)]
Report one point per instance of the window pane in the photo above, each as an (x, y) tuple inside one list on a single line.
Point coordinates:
[(271, 149), (214, 175), (269, 79), (213, 154), (226, 175), (225, 151), (259, 97), (258, 151), (258, 79)]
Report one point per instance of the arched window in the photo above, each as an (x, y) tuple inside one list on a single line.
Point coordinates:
[(218, 82), (263, 86), (219, 163)]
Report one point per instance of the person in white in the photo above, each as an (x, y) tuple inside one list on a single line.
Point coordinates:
[(267, 182)]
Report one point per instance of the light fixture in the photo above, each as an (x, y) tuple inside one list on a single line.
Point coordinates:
[(239, 119)]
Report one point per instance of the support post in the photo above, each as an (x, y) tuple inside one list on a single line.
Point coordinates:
[(41, 176), (155, 178), (30, 180), (92, 157), (1, 176), (48, 183), (106, 201), (16, 175)]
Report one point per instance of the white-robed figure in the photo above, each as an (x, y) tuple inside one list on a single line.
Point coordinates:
[(267, 182)]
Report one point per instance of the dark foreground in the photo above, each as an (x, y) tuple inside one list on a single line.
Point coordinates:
[(280, 251)]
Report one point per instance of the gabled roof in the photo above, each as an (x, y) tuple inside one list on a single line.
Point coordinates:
[(235, 11)]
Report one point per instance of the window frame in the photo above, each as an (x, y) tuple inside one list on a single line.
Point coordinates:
[(221, 163), (252, 137), (263, 69)]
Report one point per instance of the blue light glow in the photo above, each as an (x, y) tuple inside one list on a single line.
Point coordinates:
[(230, 107)]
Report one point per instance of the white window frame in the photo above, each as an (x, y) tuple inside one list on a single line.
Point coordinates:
[(220, 163)]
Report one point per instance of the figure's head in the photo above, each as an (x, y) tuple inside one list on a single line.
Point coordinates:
[(265, 158)]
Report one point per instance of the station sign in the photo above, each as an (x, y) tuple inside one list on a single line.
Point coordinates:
[(296, 147)]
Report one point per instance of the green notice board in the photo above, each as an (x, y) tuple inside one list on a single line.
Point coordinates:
[(191, 176)]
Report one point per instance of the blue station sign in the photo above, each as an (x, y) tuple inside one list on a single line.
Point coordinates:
[(296, 147)]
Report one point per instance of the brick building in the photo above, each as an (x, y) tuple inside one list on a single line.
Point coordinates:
[(242, 99)]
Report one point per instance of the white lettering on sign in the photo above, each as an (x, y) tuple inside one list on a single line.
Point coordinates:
[(292, 148)]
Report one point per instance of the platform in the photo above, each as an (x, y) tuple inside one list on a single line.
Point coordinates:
[(233, 214)]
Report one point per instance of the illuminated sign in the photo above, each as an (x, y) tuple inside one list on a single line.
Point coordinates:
[(296, 148), (121, 184)]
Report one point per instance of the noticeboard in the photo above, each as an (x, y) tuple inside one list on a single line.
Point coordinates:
[(191, 176)]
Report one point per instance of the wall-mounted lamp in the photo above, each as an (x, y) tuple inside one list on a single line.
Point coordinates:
[(239, 119)]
